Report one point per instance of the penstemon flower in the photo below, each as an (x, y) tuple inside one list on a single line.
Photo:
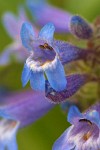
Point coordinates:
[(47, 54), (44, 58), (85, 130)]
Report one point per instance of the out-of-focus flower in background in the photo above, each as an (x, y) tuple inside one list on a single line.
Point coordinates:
[(40, 10), (13, 25), (18, 110), (64, 21)]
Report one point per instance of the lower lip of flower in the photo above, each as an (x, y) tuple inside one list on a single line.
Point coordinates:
[(40, 65), (49, 64)]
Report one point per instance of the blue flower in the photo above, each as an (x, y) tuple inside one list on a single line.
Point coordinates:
[(19, 110), (84, 133), (44, 58)]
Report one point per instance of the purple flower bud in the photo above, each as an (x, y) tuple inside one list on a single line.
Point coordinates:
[(80, 28), (74, 83)]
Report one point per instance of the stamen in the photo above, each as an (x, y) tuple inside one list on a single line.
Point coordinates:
[(87, 136), (46, 46), (41, 46)]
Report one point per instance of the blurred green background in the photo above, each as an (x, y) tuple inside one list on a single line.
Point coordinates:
[(42, 134)]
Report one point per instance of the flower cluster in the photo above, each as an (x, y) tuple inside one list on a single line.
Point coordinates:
[(46, 61)]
